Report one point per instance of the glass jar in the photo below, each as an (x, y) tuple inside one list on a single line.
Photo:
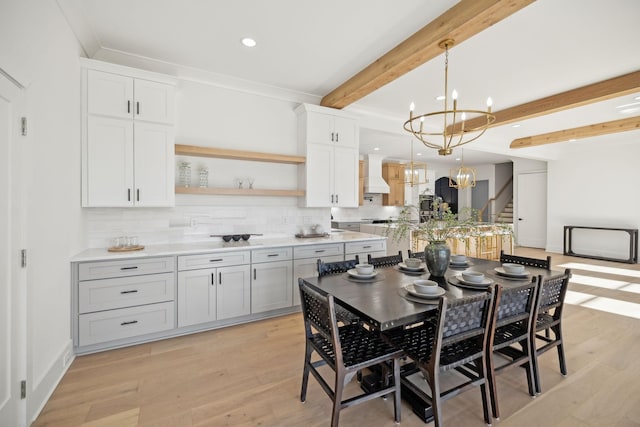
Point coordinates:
[(185, 174), (204, 178)]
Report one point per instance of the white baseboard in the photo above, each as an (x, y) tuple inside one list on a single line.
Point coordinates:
[(38, 394)]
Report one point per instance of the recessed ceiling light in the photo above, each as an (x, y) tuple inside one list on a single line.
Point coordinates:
[(376, 149), (517, 125), (440, 98), (248, 42), (457, 159), (418, 154), (628, 108), (572, 139), (637, 98)]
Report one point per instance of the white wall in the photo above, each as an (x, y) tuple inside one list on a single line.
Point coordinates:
[(595, 187), (39, 49)]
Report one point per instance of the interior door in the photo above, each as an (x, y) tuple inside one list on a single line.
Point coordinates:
[(479, 197), (532, 210), (12, 280)]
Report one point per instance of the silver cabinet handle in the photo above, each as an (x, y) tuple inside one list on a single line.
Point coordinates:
[(337, 137), (133, 291), (337, 195), (131, 322), (271, 255), (129, 268), (212, 280), (137, 195), (366, 247), (254, 274), (215, 260), (320, 251), (128, 106), (128, 194), (220, 278), (138, 107), (331, 136)]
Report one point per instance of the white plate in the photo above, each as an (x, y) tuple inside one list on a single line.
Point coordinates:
[(354, 273), (412, 291), (404, 266), (501, 271), (485, 282)]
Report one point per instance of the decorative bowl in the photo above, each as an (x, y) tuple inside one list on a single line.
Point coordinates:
[(412, 262), (458, 259), (472, 276), (513, 268), (364, 269), (423, 286)]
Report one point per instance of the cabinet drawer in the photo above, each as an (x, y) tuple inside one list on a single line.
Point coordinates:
[(318, 251), (219, 259), (125, 322), (107, 294), (121, 268), (369, 246), (269, 255)]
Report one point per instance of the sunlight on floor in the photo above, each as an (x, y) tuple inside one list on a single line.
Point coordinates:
[(601, 269), (608, 305), (619, 285)]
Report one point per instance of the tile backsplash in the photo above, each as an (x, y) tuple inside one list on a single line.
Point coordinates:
[(190, 223)]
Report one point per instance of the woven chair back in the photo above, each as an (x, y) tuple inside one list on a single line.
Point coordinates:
[(318, 312), (529, 262), (419, 254), (553, 291), (516, 303), (328, 268), (385, 261)]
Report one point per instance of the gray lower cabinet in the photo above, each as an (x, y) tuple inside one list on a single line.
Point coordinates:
[(305, 262), (376, 248), (272, 279), (123, 299), (210, 294)]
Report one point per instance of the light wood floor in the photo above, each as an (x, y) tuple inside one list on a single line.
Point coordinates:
[(249, 375)]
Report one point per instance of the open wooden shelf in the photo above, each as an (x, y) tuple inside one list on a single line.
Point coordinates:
[(223, 153), (238, 191)]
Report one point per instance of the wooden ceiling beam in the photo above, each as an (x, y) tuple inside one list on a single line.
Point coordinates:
[(622, 125), (600, 91), (464, 20)]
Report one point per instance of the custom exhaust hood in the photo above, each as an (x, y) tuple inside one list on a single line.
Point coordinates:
[(373, 181)]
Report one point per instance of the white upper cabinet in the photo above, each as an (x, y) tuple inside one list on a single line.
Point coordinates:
[(128, 138), (126, 97), (329, 139)]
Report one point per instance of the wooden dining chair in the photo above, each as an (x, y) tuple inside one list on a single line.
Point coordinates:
[(337, 267), (548, 319), (385, 261), (419, 254), (346, 350), (456, 339), (512, 323), (529, 262)]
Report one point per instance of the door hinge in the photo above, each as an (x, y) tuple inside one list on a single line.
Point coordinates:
[(23, 258), (23, 389), (23, 126)]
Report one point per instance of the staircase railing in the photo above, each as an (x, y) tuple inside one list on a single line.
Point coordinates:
[(493, 199)]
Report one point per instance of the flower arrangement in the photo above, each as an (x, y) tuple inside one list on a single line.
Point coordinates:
[(446, 225)]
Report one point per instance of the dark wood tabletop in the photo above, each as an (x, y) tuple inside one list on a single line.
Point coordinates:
[(384, 303)]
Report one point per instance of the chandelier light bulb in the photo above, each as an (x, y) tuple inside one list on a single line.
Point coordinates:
[(454, 95), (463, 116), (412, 106), (489, 102)]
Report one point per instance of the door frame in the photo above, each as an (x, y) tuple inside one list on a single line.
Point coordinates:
[(13, 411)]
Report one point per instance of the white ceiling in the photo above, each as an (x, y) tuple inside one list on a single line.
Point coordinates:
[(548, 47)]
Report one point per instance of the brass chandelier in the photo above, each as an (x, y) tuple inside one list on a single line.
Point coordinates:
[(413, 171), (462, 176), (451, 129)]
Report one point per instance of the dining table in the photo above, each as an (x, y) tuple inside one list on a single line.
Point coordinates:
[(386, 300)]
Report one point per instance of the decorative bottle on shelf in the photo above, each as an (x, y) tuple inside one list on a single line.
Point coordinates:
[(185, 174), (204, 178)]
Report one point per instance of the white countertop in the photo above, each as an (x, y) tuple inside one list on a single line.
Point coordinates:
[(217, 244)]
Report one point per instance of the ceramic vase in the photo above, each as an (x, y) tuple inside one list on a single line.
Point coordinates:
[(437, 255)]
